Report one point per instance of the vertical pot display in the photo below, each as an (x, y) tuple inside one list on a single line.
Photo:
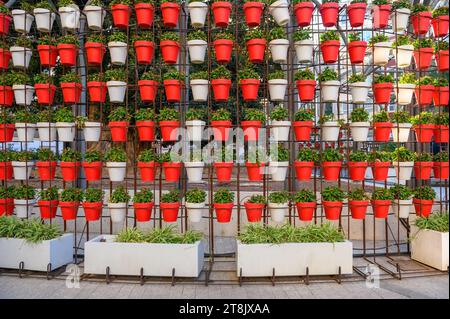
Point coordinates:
[(356, 11), (442, 56), (44, 17), (256, 45), (441, 128), (21, 52), (329, 45), (173, 81), (423, 127), (221, 13), (303, 13), (254, 207), (403, 162), (118, 48), (171, 167), (405, 88), (400, 15), (145, 13), (119, 120), (195, 204), (358, 88), (303, 124), (118, 205), (306, 84), (440, 165), (25, 125), (279, 163), (168, 119), (92, 165), (381, 48), (223, 45), (70, 16), (401, 126), (22, 20), (358, 203), (382, 88), (380, 15), (423, 164), (329, 129), (92, 204), (197, 13), (197, 46), (170, 47), (304, 164), (95, 15), (357, 165), (380, 162), (116, 163), (423, 200), (46, 164), (169, 206), (279, 124), (402, 201), (70, 164), (331, 163), (332, 202), (143, 205), (170, 11), (304, 45), (23, 91), (71, 87), (329, 85), (95, 49), (22, 163), (306, 203), (199, 86), (24, 199), (70, 202), (249, 82), (147, 162), (145, 47), (148, 86), (145, 124), (65, 124), (356, 48), (329, 12), (121, 13), (441, 92), (420, 18), (424, 90), (253, 11), (278, 45), (381, 202), (223, 205), (278, 206), (280, 12), (403, 51), (423, 53), (253, 120)]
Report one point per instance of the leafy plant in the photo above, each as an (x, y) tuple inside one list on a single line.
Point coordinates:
[(440, 81), (280, 197), (221, 114), (168, 114), (224, 154), (440, 46), (307, 155), (115, 154), (331, 155), (441, 11), (70, 77), (118, 36), (305, 74), (400, 4), (425, 80), (418, 7), (423, 43), (48, 194), (44, 4), (305, 196), (379, 156), (150, 75), (329, 35), (257, 199), (439, 118), (381, 117), (248, 72), (65, 3), (25, 116), (197, 35), (96, 38), (144, 36), (23, 156), (275, 75), (31, 230), (116, 75), (43, 78), (441, 157), (24, 42), (401, 192), (223, 196), (199, 75), (357, 194), (422, 118), (46, 155), (70, 155), (425, 193), (254, 33), (69, 39), (281, 155), (279, 113), (277, 33), (333, 194), (171, 197), (170, 36), (381, 78), (436, 222), (46, 116), (147, 156), (358, 156), (145, 114), (303, 115), (382, 194), (328, 75), (173, 74), (223, 35), (93, 156), (254, 114), (423, 157), (166, 235), (24, 192), (93, 195), (359, 115), (402, 154), (400, 117), (19, 78), (407, 78), (119, 195), (195, 196), (301, 34), (145, 195), (357, 77), (354, 36), (72, 194), (96, 77), (47, 40), (119, 114), (379, 37), (220, 72), (401, 40), (64, 115)]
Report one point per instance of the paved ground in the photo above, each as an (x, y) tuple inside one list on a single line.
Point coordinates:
[(423, 287)]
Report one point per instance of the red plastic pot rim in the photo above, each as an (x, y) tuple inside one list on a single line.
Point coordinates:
[(383, 124), (381, 202), (94, 45), (169, 43), (120, 7), (71, 85), (223, 205), (381, 7), (333, 43), (443, 17), (222, 4), (364, 203), (423, 201), (425, 50), (8, 125), (329, 5), (306, 204), (5, 163), (381, 164), (148, 83), (254, 205), (169, 123), (260, 164), (357, 43), (223, 42), (442, 52), (92, 164), (332, 204), (249, 82), (302, 123), (356, 6), (93, 84), (143, 205), (425, 88), (424, 127), (423, 164), (46, 164), (145, 124), (169, 4), (221, 123), (142, 5), (223, 164), (221, 82), (444, 164), (441, 88), (386, 85), (331, 164), (53, 203), (251, 124), (253, 4), (69, 204), (423, 14), (92, 204), (5, 88), (143, 43), (306, 82), (303, 164), (69, 164), (47, 47), (147, 164), (44, 86), (118, 124), (173, 82), (66, 46), (172, 164), (169, 205), (256, 42), (6, 200), (303, 5), (357, 164)]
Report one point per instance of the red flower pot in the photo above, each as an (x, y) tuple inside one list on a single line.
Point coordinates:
[(169, 130), (249, 89), (358, 208), (303, 170), (6, 95), (71, 92), (223, 48), (329, 13), (440, 26), (69, 170), (382, 92), (423, 207), (67, 54), (441, 170), (254, 211), (118, 131), (357, 170), (223, 212), (169, 51), (6, 206), (5, 21), (424, 94), (169, 211), (221, 89), (97, 91), (382, 131), (147, 170), (254, 171), (6, 171), (45, 93), (251, 130), (302, 130), (5, 56), (146, 130), (93, 171), (421, 22), (221, 130), (143, 211), (121, 15), (172, 171), (173, 88), (46, 170), (144, 51), (356, 12), (221, 11), (424, 132), (440, 95), (380, 170), (223, 171), (92, 211), (95, 52), (145, 13), (380, 15), (256, 49), (381, 207), (422, 57), (332, 209), (170, 12), (69, 210), (442, 60), (306, 211), (422, 170), (253, 12), (48, 208), (331, 170), (148, 90), (330, 50), (303, 13), (306, 89), (440, 133), (357, 51), (6, 132), (47, 54)]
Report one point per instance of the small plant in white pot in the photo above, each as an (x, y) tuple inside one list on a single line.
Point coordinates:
[(46, 126), (359, 88), (405, 88), (24, 199), (116, 81), (360, 124), (69, 13), (117, 204), (195, 203), (303, 45), (401, 126), (279, 9), (403, 51), (118, 47), (381, 48), (116, 162), (22, 163), (194, 166), (197, 45), (25, 125), (95, 14), (23, 17), (278, 44), (279, 124), (329, 85), (199, 85), (329, 128), (23, 90), (195, 123), (277, 83), (65, 124), (92, 129), (44, 16), (197, 13), (278, 204), (403, 162), (21, 52), (400, 11), (279, 163), (402, 202)]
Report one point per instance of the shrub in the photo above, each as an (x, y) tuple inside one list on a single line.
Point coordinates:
[(440, 81), (281, 197), (440, 46), (277, 33), (279, 113), (93, 195), (24, 42), (441, 157), (96, 38), (253, 114), (401, 40), (93, 156), (304, 115), (257, 199), (223, 35), (69, 39), (43, 78), (168, 114), (248, 72), (401, 192), (31, 230), (47, 40), (25, 116), (425, 80), (46, 155), (119, 195), (144, 36), (402, 154), (221, 114), (70, 77), (45, 116), (50, 193), (400, 4), (305, 74), (400, 117), (354, 36), (305, 196), (143, 196), (333, 194), (195, 196), (418, 7), (19, 77), (328, 75), (441, 11), (423, 43), (145, 114), (119, 114), (115, 154), (382, 194), (173, 74), (23, 156), (301, 34), (171, 197)]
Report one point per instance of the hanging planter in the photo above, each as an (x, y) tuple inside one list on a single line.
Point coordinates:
[(172, 171), (22, 20), (21, 56), (147, 170), (197, 13), (382, 88), (424, 93), (382, 131), (223, 171), (302, 130), (197, 48), (279, 49), (92, 130), (442, 59), (65, 125), (143, 211), (380, 14), (5, 21), (173, 85), (6, 206), (6, 132), (6, 95), (303, 48), (441, 133), (329, 85), (22, 169), (356, 49), (303, 170), (146, 130), (221, 88), (254, 210), (440, 24), (169, 130), (278, 170), (121, 15), (97, 91), (23, 94), (358, 208), (303, 13), (256, 48), (331, 170), (359, 89), (93, 170), (118, 48), (252, 122), (253, 11), (400, 18), (422, 169), (25, 131), (423, 200), (148, 87), (118, 124), (145, 13), (6, 171), (329, 13), (280, 12), (424, 132), (278, 211), (94, 52), (170, 12), (421, 22), (381, 208), (381, 49), (402, 207), (169, 205), (195, 129), (357, 170), (69, 170), (45, 93), (306, 210), (403, 170), (144, 50), (70, 16), (400, 132), (68, 50), (69, 210), (95, 16), (116, 84), (223, 47), (356, 12), (441, 169), (46, 170), (277, 87), (116, 163), (221, 12), (405, 92), (5, 57), (441, 93), (47, 131), (44, 19), (194, 171), (92, 210), (329, 46), (332, 209), (24, 207), (221, 124), (48, 53), (423, 56), (118, 204), (403, 55), (330, 130), (71, 92), (48, 208), (280, 130), (249, 88), (255, 171)]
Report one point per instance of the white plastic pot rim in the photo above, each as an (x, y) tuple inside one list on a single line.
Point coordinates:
[(278, 205), (23, 87), (406, 86), (193, 43), (93, 9), (306, 42), (330, 83), (279, 164), (403, 164), (279, 4), (116, 164), (195, 123), (117, 44), (278, 82), (360, 124), (25, 125), (22, 164), (402, 125), (283, 42), (20, 12), (65, 125), (406, 47), (195, 205), (197, 5), (20, 49), (401, 11), (45, 124), (361, 85), (280, 123), (330, 124), (112, 84), (92, 124), (403, 202), (194, 164), (24, 202), (199, 82), (386, 45), (117, 205)]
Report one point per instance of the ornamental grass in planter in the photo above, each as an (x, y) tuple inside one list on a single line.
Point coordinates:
[(278, 205), (6, 170), (23, 90), (194, 166), (441, 127), (303, 10), (277, 84), (253, 9), (65, 124), (423, 200), (48, 202), (170, 10), (423, 126), (403, 161), (380, 161), (356, 48), (116, 82), (92, 204), (71, 87), (6, 200), (401, 126), (329, 128), (119, 120), (279, 124), (421, 18), (303, 124), (195, 123), (70, 164), (68, 50), (306, 203), (199, 82), (358, 88), (69, 202), (329, 46), (173, 81), (255, 161), (329, 85), (96, 87), (118, 204), (423, 164), (168, 119), (304, 164), (400, 12), (278, 44), (441, 165), (44, 16), (170, 47), (22, 163), (306, 84), (24, 199), (197, 13), (405, 88), (6, 126), (92, 129), (171, 164), (440, 21), (224, 161), (195, 203), (197, 45), (121, 12), (402, 200), (223, 45), (424, 90), (46, 164), (118, 47), (116, 163), (148, 86), (441, 55), (46, 126), (253, 119), (332, 202), (95, 14), (380, 13), (357, 165), (95, 48), (25, 125), (144, 46), (358, 201), (143, 205), (21, 52), (441, 91), (279, 10), (403, 50), (359, 126), (44, 88), (256, 45), (169, 205), (381, 201), (331, 162), (221, 124), (145, 124), (279, 163), (382, 126), (381, 48), (423, 53), (48, 51), (303, 45), (147, 162), (92, 164), (249, 82)]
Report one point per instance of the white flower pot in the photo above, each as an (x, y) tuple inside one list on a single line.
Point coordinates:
[(280, 12), (117, 211), (400, 132), (197, 51), (278, 171), (44, 19), (400, 19), (47, 131), (402, 207), (116, 171), (118, 52), (403, 55), (278, 212), (195, 211), (277, 89), (200, 90), (329, 91), (280, 130), (194, 171), (92, 131), (279, 50), (403, 170), (360, 91), (66, 131), (24, 207), (70, 17), (23, 94), (381, 51), (197, 13), (22, 170), (405, 93), (22, 20), (304, 50), (116, 91), (21, 56), (95, 16), (195, 130), (360, 131), (25, 131), (330, 131)]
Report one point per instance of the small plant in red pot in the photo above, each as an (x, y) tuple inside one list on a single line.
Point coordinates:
[(68, 50), (121, 12), (382, 126), (421, 18), (92, 164), (118, 204), (359, 126), (304, 164), (329, 46), (224, 161), (145, 47), (221, 11), (440, 21), (357, 203), (382, 88), (303, 124), (253, 120), (329, 10), (381, 202), (441, 92), (147, 162), (145, 13), (171, 163), (331, 160), (255, 162), (70, 164), (223, 45), (168, 119), (221, 83), (6, 170), (145, 124), (254, 207), (440, 165), (5, 19), (69, 202), (423, 200), (440, 127), (221, 124), (46, 164), (423, 126), (306, 84), (6, 92), (143, 205), (253, 9), (441, 54), (223, 205), (95, 48), (381, 10), (170, 10), (195, 204), (169, 205), (48, 51), (148, 86), (71, 87), (306, 203), (96, 86), (423, 164), (119, 120), (44, 88), (424, 90), (249, 82), (173, 81), (423, 53), (356, 11), (92, 204), (357, 165), (6, 126), (332, 202), (256, 45), (6, 200), (303, 10), (356, 48), (48, 202), (170, 47)]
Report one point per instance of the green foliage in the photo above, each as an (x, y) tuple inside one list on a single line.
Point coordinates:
[(425, 80), (147, 155), (423, 43), (328, 75), (400, 117), (359, 115), (193, 114), (43, 78), (221, 114), (329, 35), (441, 11), (223, 196), (65, 3), (166, 235), (301, 34), (379, 156), (19, 77), (423, 157), (64, 114), (115, 154), (23, 156), (171, 197), (170, 36), (382, 194), (379, 37), (358, 156), (441, 157), (440, 81), (307, 155), (305, 74), (6, 117), (333, 194), (407, 78), (248, 72), (223, 35), (280, 197), (70, 155), (7, 192), (72, 194), (168, 114), (46, 116), (354, 36), (305, 196), (279, 113), (93, 156), (31, 230), (381, 117), (24, 192), (5, 155), (422, 118), (439, 118), (401, 192), (199, 75), (145, 195), (277, 33), (118, 36), (116, 75), (24, 42), (402, 154), (224, 154), (150, 75), (304, 115), (44, 4), (381, 78), (47, 40), (195, 195), (254, 33), (96, 77), (119, 114), (68, 39), (257, 199), (96, 38), (400, 4), (357, 194), (220, 72), (275, 75), (401, 40), (25, 116), (436, 222), (441, 46), (145, 114), (144, 36), (119, 195), (173, 74), (93, 195), (418, 7), (425, 193), (357, 77), (46, 155), (254, 114), (70, 77), (197, 35), (331, 155)]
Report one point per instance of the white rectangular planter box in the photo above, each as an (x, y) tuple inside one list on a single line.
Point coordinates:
[(430, 247), (156, 259), (57, 252), (291, 259)]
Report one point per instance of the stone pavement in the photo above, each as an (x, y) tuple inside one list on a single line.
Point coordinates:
[(421, 287)]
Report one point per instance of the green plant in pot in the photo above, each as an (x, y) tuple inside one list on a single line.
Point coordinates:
[(279, 124), (382, 126), (143, 204), (21, 85), (118, 202), (278, 44), (119, 119), (303, 123), (116, 82), (402, 200), (169, 205), (278, 204), (21, 52), (221, 124), (65, 124), (403, 160), (330, 127), (357, 165), (199, 82), (331, 162), (145, 123), (24, 198), (358, 202), (277, 83), (221, 83), (118, 47), (255, 40), (46, 163), (381, 201), (279, 162), (253, 119), (69, 202), (306, 84), (195, 203), (329, 46), (423, 165), (358, 88), (305, 201), (359, 126), (22, 163), (329, 85), (116, 162), (70, 164), (168, 119), (423, 200), (249, 81), (92, 203), (304, 164), (423, 126), (332, 201)]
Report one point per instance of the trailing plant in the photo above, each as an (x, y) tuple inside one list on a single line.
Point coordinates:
[(436, 222), (195, 196), (280, 197), (402, 154), (331, 155), (358, 194), (70, 155), (305, 196), (172, 196), (279, 113), (145, 195), (307, 155), (93, 195), (333, 194), (358, 156), (359, 114), (424, 193), (115, 154)]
